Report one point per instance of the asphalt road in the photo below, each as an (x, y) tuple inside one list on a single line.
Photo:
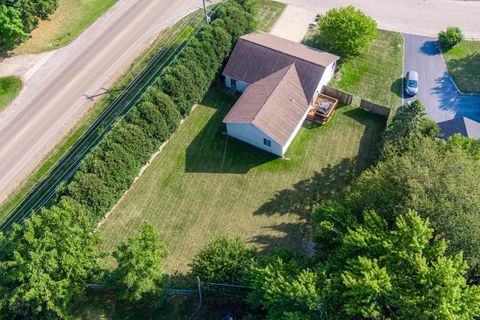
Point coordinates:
[(436, 89), (61, 86), (423, 17)]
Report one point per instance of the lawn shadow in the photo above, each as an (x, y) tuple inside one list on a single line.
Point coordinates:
[(466, 72), (397, 88), (302, 197), (430, 48), (212, 151)]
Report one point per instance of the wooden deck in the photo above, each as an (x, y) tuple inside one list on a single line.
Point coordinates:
[(322, 109)]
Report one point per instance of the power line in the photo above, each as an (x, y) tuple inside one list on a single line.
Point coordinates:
[(68, 173)]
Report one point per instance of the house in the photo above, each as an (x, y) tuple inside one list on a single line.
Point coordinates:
[(280, 80), (464, 126)]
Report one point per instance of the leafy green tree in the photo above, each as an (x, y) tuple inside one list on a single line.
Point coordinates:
[(451, 37), (45, 263), (440, 183), (347, 31), (407, 126), (471, 145), (399, 272), (223, 260), (285, 289), (11, 27), (139, 269)]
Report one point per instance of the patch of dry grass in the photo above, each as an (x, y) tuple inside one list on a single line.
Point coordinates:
[(71, 18)]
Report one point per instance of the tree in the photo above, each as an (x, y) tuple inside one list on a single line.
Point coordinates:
[(347, 31), (450, 38), (399, 272), (139, 270), (408, 124), (439, 182), (223, 260), (284, 288), (45, 263), (11, 27)]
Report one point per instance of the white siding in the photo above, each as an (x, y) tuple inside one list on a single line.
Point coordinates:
[(327, 76), (250, 134), (240, 85), (297, 128)]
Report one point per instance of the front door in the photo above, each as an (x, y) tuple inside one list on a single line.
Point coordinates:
[(233, 83)]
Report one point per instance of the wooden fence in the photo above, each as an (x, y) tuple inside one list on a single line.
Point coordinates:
[(340, 95), (375, 108)]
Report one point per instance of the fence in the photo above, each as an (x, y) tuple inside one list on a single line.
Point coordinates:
[(340, 95), (375, 108)]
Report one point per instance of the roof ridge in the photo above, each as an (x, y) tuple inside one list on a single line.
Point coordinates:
[(287, 54), (275, 88)]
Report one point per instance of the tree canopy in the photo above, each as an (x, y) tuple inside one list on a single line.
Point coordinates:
[(347, 31), (139, 270), (439, 181), (45, 263), (18, 20)]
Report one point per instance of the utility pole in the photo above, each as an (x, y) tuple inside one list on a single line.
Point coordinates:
[(207, 18), (199, 284)]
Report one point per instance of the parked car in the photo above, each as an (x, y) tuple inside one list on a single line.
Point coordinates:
[(411, 83)]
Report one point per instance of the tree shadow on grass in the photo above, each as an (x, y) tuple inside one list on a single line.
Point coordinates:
[(212, 151), (323, 186), (397, 88), (302, 197)]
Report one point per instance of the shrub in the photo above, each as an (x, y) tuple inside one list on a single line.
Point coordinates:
[(347, 31), (109, 171), (223, 260), (451, 37)]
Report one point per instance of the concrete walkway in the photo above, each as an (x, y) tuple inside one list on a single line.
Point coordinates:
[(293, 23), (437, 90)]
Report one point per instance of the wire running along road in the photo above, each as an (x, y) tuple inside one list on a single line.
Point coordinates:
[(64, 169)]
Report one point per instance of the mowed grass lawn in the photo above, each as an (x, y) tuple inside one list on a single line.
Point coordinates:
[(463, 62), (9, 88), (269, 12), (204, 183), (376, 74), (71, 18)]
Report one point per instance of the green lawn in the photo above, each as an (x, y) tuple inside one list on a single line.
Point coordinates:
[(204, 183), (374, 75), (71, 18), (269, 11), (9, 88), (463, 63)]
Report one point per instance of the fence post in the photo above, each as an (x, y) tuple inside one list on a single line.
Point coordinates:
[(199, 290)]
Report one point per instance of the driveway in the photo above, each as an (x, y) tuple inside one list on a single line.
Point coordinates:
[(293, 23), (437, 91), (423, 17), (61, 86)]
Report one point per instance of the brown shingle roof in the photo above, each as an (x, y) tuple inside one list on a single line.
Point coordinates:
[(274, 104), (291, 48), (258, 55)]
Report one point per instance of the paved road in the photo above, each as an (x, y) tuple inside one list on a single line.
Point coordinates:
[(436, 89), (60, 85), (423, 17)]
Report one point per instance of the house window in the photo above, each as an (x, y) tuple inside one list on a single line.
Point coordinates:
[(267, 142)]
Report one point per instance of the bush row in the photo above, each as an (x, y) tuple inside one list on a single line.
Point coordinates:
[(105, 176)]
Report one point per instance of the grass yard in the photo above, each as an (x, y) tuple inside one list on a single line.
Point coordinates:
[(71, 18), (9, 88), (376, 74), (269, 12), (203, 183), (463, 62)]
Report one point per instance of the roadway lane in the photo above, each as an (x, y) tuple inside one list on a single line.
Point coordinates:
[(423, 17), (436, 89), (59, 88)]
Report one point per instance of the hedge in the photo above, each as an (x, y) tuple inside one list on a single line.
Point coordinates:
[(108, 173)]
